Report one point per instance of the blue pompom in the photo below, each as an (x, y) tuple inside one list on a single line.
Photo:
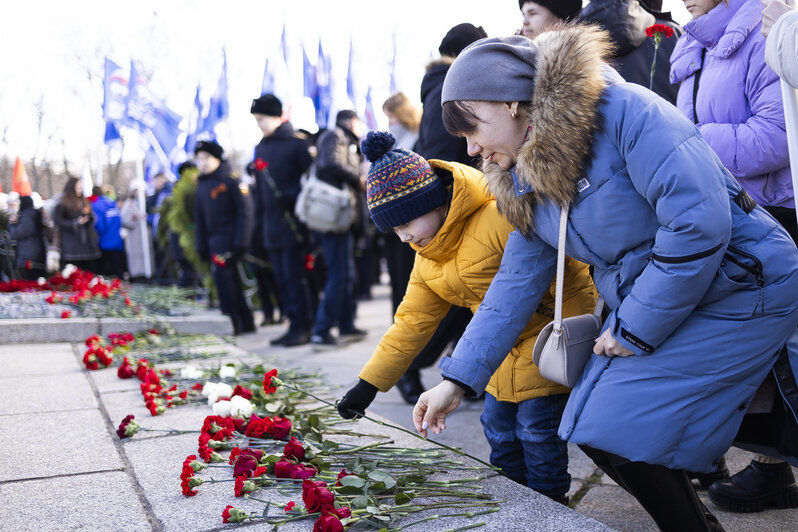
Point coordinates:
[(376, 144)]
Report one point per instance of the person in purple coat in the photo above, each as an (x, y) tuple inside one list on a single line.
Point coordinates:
[(734, 98)]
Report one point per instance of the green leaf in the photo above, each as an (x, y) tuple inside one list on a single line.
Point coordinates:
[(372, 509), (382, 476), (352, 480), (404, 497), (328, 446), (360, 502)]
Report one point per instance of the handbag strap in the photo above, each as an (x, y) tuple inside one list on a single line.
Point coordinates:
[(561, 274)]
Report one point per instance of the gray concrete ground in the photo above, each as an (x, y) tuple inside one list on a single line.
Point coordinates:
[(62, 466)]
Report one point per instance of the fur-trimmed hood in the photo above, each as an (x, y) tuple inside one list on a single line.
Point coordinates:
[(563, 117)]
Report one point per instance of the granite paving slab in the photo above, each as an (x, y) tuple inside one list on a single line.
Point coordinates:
[(45, 393), (101, 501), (55, 443), (38, 359), (13, 331)]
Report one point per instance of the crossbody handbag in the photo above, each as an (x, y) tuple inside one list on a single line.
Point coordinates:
[(564, 346), (324, 207)]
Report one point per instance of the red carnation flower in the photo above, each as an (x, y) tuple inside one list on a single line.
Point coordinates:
[(125, 371), (652, 30), (66, 314), (267, 382), (289, 506), (219, 260), (260, 164), (260, 471), (246, 393)]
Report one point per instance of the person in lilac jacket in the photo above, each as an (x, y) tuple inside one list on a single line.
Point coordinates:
[(734, 98)]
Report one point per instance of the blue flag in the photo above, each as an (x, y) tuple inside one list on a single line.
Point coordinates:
[(351, 90), (159, 125), (284, 46), (393, 68), (309, 79), (194, 123), (219, 107), (115, 90), (371, 119), (324, 88), (267, 85), (111, 133)]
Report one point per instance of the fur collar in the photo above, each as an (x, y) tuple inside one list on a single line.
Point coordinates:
[(563, 117), (443, 60)]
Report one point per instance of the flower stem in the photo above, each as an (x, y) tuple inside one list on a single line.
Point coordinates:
[(396, 427)]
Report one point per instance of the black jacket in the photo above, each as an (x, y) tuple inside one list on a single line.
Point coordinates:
[(28, 232), (222, 213), (277, 187), (338, 158), (77, 241), (434, 142), (626, 20)]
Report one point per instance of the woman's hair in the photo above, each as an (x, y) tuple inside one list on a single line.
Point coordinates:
[(408, 114), (459, 119), (70, 198)]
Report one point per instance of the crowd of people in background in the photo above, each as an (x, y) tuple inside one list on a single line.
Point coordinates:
[(239, 228)]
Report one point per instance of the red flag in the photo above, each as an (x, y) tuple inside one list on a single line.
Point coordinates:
[(20, 183)]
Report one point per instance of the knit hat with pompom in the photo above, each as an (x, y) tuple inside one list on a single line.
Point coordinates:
[(401, 185)]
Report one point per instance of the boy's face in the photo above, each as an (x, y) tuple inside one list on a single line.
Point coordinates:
[(536, 19), (267, 124), (420, 231), (206, 162)]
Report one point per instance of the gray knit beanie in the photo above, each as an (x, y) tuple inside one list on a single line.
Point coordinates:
[(499, 69)]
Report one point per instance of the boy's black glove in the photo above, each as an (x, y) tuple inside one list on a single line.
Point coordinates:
[(356, 400)]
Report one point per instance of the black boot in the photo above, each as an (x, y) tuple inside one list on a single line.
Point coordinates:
[(666, 494), (280, 340), (297, 337), (706, 479), (757, 487), (409, 385)]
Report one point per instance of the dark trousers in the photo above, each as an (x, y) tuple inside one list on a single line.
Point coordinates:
[(292, 285), (336, 306), (450, 329), (113, 262), (268, 291), (399, 258), (666, 494), (786, 217), (231, 296)]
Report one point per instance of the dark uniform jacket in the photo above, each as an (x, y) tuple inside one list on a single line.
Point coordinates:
[(78, 241), (286, 157), (626, 20), (434, 142), (222, 213)]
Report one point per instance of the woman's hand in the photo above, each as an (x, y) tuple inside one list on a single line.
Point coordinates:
[(609, 346), (83, 219), (434, 405)]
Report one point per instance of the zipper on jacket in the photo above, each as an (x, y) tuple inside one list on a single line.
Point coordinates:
[(687, 258), (695, 85), (756, 270)]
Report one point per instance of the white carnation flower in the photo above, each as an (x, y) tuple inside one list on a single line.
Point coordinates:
[(240, 406), (222, 408), (190, 372), (227, 371), (210, 388)]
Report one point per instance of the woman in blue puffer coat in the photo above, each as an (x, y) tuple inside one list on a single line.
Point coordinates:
[(700, 281)]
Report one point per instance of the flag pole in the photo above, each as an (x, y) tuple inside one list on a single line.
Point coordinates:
[(145, 234)]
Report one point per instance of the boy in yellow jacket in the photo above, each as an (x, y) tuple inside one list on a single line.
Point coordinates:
[(443, 210)]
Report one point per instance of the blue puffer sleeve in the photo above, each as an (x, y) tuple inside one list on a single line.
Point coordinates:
[(684, 182), (525, 274)]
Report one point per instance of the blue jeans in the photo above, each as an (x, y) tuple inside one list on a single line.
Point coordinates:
[(524, 443), (292, 284), (336, 307)]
